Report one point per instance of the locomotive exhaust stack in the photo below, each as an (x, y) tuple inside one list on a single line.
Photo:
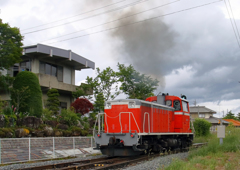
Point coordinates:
[(132, 127)]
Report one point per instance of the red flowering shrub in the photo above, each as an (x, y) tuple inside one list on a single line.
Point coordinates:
[(82, 106)]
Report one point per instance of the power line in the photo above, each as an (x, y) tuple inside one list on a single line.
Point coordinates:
[(137, 22), (112, 21), (75, 15), (112, 10), (234, 18), (232, 23)]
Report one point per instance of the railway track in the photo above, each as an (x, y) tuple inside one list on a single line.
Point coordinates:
[(104, 163)]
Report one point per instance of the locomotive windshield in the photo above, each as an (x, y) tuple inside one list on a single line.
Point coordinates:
[(185, 106), (176, 105)]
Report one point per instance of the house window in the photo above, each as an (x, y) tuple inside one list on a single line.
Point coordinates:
[(60, 73), (201, 115), (50, 69), (25, 66), (54, 71), (63, 105)]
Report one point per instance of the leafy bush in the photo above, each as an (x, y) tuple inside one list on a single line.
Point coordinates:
[(7, 111), (67, 132), (76, 129), (47, 115), (202, 127), (4, 131), (2, 105), (34, 101), (9, 118), (84, 132), (69, 117)]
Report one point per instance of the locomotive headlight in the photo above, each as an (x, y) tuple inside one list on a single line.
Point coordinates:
[(131, 104)]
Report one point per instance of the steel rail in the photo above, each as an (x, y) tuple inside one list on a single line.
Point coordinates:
[(107, 162)]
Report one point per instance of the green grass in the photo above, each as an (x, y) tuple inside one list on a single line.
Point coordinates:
[(213, 156)]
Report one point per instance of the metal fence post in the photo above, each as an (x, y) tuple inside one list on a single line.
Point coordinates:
[(53, 148), (74, 146), (0, 151), (29, 156), (91, 142)]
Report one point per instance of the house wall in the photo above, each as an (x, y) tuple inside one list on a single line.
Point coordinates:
[(207, 115), (52, 82), (194, 115), (35, 66)]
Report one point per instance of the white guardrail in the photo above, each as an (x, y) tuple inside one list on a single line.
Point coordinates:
[(14, 150)]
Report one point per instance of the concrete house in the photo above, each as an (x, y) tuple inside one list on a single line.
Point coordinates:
[(201, 112), (54, 67)]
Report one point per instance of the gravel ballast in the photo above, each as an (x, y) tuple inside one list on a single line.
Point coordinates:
[(156, 163), (26, 165), (153, 164)]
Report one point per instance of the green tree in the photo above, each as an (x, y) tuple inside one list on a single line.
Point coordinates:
[(230, 115), (98, 106), (238, 116), (106, 82), (10, 46), (20, 97), (135, 84), (5, 82), (34, 101), (82, 90), (53, 101), (99, 103), (202, 127)]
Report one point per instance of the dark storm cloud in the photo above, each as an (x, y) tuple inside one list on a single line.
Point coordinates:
[(206, 43), (146, 45)]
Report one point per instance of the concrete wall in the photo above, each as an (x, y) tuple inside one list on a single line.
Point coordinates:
[(35, 65), (52, 82)]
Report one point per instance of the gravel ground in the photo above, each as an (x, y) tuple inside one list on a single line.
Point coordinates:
[(157, 162), (25, 165), (152, 164)]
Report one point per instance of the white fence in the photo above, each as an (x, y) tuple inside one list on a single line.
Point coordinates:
[(27, 149)]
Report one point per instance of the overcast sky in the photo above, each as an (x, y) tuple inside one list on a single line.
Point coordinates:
[(189, 45)]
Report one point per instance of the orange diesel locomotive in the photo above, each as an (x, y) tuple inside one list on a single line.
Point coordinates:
[(132, 127)]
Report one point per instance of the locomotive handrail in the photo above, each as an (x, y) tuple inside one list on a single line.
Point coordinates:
[(144, 123), (130, 113), (119, 115)]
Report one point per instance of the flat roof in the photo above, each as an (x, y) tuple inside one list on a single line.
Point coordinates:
[(67, 57)]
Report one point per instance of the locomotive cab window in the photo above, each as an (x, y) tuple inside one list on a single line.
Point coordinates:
[(176, 105), (185, 106)]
